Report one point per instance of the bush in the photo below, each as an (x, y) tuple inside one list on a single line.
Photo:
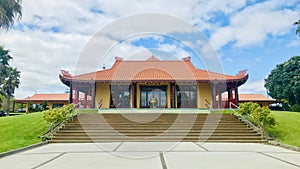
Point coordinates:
[(257, 114), (58, 115), (295, 108), (263, 115), (247, 108)]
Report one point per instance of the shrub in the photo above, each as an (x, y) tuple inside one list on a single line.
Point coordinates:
[(295, 108), (262, 115), (257, 114), (58, 115), (247, 108)]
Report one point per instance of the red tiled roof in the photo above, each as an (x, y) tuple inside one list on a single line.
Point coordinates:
[(154, 69), (254, 97), (45, 97)]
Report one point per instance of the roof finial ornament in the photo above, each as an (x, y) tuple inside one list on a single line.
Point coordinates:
[(187, 59), (118, 59), (152, 58)]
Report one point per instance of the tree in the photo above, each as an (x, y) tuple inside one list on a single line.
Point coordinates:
[(9, 77), (284, 81), (298, 29), (10, 84), (4, 59), (10, 10)]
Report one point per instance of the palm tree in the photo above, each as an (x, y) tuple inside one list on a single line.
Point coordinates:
[(10, 83), (298, 30), (4, 59), (10, 10)]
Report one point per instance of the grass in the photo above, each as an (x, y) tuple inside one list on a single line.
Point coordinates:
[(287, 129), (20, 131), (225, 111)]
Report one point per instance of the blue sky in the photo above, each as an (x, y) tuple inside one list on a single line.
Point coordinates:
[(245, 34)]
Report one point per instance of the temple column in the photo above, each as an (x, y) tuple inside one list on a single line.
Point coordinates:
[(71, 93), (172, 95), (236, 94), (85, 99), (220, 98), (27, 107), (214, 95), (133, 85), (229, 96), (94, 95)]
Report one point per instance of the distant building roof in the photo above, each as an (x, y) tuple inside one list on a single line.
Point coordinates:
[(255, 97), (45, 97)]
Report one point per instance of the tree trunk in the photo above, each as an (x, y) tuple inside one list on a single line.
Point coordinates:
[(7, 105)]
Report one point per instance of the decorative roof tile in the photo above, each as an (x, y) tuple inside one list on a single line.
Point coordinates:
[(154, 69), (254, 97)]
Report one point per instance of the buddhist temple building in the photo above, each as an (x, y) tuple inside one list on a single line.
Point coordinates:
[(153, 83)]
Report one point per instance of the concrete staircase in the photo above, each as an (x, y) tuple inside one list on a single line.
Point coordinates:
[(169, 127)]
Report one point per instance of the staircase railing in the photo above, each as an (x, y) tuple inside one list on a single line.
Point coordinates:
[(260, 129), (208, 104), (56, 124)]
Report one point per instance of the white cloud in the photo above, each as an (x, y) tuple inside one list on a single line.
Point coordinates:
[(229, 60), (256, 86), (294, 43), (254, 24), (40, 56)]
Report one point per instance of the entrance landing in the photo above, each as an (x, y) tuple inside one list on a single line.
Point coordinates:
[(157, 110)]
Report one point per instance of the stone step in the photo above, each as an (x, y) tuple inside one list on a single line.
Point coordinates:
[(159, 123), (176, 127), (161, 137), (156, 133), (186, 140), (150, 131), (156, 127)]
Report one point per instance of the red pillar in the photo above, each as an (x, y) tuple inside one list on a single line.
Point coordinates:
[(214, 95), (228, 96), (236, 95), (220, 98)]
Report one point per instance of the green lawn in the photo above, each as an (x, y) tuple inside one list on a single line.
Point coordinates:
[(287, 129), (21, 130)]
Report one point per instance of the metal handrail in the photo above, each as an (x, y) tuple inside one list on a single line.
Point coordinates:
[(208, 104), (53, 127), (260, 129)]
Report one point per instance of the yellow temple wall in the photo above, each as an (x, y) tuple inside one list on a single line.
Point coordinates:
[(204, 93), (102, 95)]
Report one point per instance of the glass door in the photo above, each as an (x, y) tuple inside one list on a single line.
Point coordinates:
[(157, 93)]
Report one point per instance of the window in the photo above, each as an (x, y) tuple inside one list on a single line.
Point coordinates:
[(186, 96), (120, 96), (57, 105)]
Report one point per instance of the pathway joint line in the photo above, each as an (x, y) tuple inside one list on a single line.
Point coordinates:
[(163, 161), (201, 146), (48, 161), (276, 158), (117, 147)]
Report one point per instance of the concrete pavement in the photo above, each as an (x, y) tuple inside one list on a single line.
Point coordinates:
[(154, 155)]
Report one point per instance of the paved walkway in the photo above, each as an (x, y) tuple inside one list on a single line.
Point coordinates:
[(132, 155)]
